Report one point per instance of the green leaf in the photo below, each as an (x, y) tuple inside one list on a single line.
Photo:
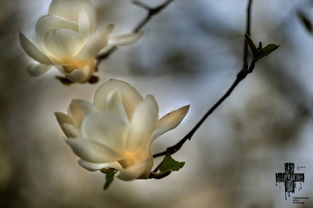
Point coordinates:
[(251, 44), (109, 178), (169, 164), (267, 50)]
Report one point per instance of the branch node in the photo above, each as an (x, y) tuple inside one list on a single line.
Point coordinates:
[(142, 5), (159, 175), (246, 69), (151, 13)]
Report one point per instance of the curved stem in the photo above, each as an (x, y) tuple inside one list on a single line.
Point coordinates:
[(151, 12), (248, 32), (240, 76)]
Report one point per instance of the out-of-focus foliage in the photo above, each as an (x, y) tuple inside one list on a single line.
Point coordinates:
[(190, 54)]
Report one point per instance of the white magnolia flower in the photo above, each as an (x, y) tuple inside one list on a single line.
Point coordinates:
[(68, 38), (117, 129)]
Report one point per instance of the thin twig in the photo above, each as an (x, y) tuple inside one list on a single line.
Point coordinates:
[(240, 76), (151, 12), (248, 32)]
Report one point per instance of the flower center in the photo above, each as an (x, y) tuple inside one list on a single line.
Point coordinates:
[(70, 65), (131, 158)]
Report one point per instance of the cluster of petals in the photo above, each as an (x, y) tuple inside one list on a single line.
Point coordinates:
[(117, 130), (69, 38)]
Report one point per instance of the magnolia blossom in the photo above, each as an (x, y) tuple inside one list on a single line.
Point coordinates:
[(68, 38), (116, 131)]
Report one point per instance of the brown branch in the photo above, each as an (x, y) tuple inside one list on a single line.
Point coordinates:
[(240, 76), (248, 32), (151, 12)]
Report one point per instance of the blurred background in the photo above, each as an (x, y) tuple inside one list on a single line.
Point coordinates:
[(190, 54)]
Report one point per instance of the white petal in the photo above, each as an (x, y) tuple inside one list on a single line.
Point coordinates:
[(48, 23), (105, 128), (78, 75), (36, 69), (143, 123), (79, 109), (115, 105), (98, 166), (130, 96), (139, 170), (69, 9), (63, 43), (127, 39), (71, 131), (63, 120), (33, 51), (84, 24), (93, 151), (95, 43), (170, 121)]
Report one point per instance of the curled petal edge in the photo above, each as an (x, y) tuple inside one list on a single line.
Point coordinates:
[(126, 39)]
